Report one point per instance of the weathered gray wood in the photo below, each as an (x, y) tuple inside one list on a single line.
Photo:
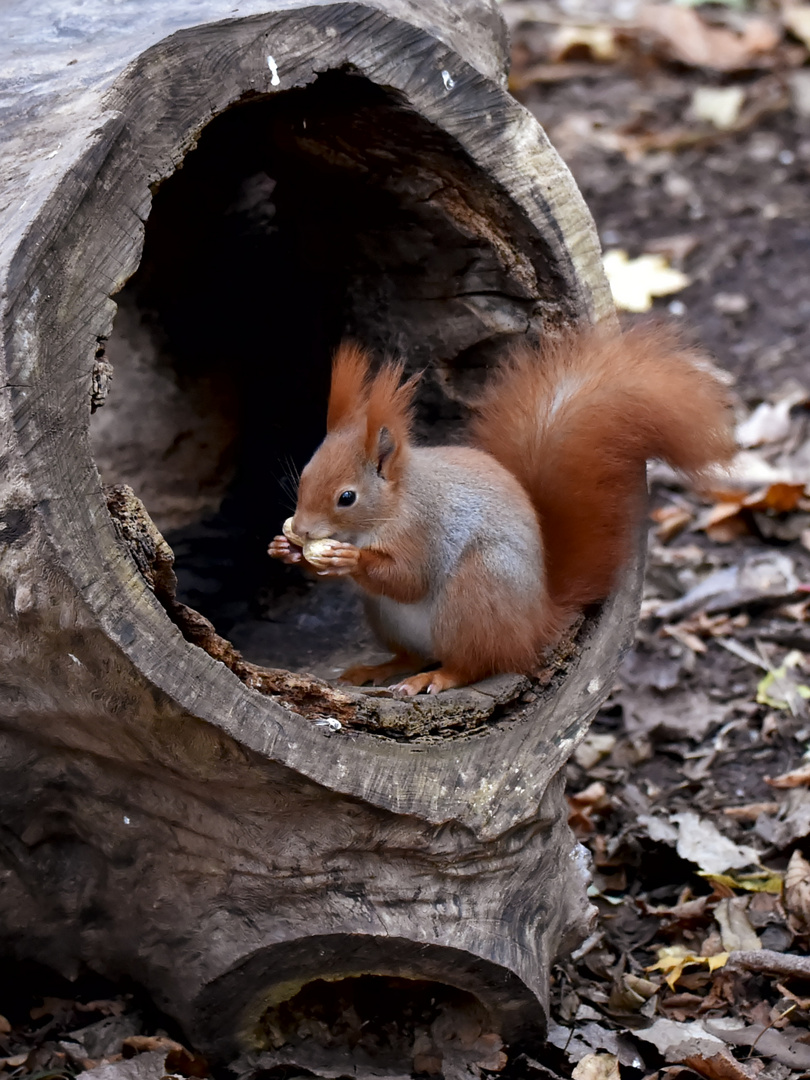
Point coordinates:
[(158, 814)]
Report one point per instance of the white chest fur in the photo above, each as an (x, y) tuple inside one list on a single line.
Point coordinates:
[(406, 625)]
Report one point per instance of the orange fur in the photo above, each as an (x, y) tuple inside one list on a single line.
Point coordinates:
[(540, 522), (389, 412), (486, 630), (349, 388), (402, 578), (576, 421)]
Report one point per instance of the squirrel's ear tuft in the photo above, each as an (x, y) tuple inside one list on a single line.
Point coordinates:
[(349, 389), (388, 418)]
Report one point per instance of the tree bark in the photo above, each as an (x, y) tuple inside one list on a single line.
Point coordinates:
[(226, 828)]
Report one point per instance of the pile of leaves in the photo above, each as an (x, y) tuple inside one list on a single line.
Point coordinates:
[(748, 63), (687, 128), (51, 1029), (692, 791)]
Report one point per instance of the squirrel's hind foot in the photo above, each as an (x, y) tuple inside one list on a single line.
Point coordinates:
[(378, 674), (432, 682)]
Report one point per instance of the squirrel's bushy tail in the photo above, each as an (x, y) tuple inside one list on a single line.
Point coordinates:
[(576, 420)]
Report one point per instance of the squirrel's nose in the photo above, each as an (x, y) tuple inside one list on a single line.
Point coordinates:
[(314, 532)]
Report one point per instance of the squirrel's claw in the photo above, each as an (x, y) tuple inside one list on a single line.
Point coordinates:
[(281, 548)]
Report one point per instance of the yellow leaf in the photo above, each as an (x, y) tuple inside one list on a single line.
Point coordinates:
[(719, 960), (672, 959), (769, 882), (778, 686), (634, 282)]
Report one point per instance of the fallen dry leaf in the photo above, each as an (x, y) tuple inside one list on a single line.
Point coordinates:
[(797, 893), (796, 18), (144, 1044), (15, 1061), (671, 520), (681, 1005), (597, 1067), (721, 1066), (685, 636), (724, 522), (686, 37), (631, 993), (770, 575), (799, 777), (780, 498), (800, 611), (731, 516), (802, 1002), (149, 1066), (676, 248), (736, 931), (680, 714), (634, 282), (701, 626), (769, 1042), (490, 1046), (782, 687), (769, 882), (763, 98), (718, 105), (429, 1062), (521, 78), (672, 959), (585, 803), (593, 748), (675, 1040), (51, 1006), (769, 423), (182, 1062), (751, 811), (699, 841), (105, 1006), (583, 42), (688, 910)]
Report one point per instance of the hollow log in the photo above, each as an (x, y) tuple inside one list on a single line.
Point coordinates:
[(199, 201)]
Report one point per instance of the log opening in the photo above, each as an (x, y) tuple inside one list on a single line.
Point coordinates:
[(393, 1023), (365, 999), (299, 218)]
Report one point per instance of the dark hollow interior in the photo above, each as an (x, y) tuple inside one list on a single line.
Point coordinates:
[(297, 219), (410, 1025)]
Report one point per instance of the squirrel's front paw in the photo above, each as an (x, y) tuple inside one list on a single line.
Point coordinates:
[(281, 548), (331, 558)]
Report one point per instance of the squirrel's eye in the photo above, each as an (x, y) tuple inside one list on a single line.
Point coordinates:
[(347, 498)]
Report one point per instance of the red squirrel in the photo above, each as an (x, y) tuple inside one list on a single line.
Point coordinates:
[(478, 557)]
